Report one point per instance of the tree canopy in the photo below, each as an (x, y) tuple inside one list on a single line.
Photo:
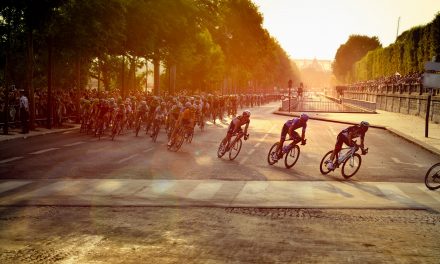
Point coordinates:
[(207, 41), (406, 55), (350, 52)]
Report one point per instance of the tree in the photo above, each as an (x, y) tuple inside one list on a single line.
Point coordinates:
[(354, 49)]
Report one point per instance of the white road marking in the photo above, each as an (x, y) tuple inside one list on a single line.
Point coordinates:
[(396, 160), (43, 151), (264, 137), (148, 149), (270, 130), (251, 151), (243, 160), (257, 145), (68, 132), (127, 158), (74, 144), (10, 159), (333, 131)]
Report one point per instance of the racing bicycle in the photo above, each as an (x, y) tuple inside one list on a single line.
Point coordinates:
[(233, 147), (292, 152), (347, 157), (183, 133), (432, 177)]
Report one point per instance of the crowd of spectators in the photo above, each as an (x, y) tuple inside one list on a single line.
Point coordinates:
[(63, 106), (380, 85)]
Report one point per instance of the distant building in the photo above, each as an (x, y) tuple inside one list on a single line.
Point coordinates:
[(323, 65), (316, 74)]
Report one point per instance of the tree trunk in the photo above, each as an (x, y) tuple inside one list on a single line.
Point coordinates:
[(99, 75), (123, 77), (146, 75), (30, 77), (78, 83), (49, 83), (156, 63)]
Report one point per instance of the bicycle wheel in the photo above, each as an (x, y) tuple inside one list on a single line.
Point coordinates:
[(222, 148), (432, 177), (155, 132), (235, 149), (138, 127), (351, 166), (292, 157), (322, 166), (190, 136), (272, 152), (114, 131), (178, 141)]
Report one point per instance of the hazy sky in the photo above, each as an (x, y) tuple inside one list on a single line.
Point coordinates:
[(316, 28)]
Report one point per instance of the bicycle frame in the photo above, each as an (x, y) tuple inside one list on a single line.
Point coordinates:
[(347, 155)]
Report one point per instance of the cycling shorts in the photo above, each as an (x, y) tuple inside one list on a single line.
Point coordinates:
[(341, 139), (285, 131)]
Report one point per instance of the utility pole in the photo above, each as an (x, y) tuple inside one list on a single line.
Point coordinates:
[(289, 85), (398, 25)]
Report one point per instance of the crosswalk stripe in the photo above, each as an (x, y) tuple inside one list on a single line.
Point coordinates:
[(127, 158), (43, 151), (74, 144), (10, 159)]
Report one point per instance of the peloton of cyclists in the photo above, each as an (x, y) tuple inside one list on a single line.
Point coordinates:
[(346, 137), (289, 128)]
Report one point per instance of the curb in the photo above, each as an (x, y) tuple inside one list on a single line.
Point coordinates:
[(389, 129), (414, 141), (24, 136)]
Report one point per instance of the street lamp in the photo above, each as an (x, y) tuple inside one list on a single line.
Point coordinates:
[(289, 85)]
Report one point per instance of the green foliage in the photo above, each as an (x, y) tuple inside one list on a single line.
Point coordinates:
[(347, 54), (408, 54), (206, 40)]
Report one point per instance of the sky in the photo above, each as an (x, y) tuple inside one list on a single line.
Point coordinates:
[(308, 29)]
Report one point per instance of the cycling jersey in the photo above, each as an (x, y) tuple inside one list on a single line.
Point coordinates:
[(355, 131), (295, 124), (187, 114), (237, 123), (160, 112)]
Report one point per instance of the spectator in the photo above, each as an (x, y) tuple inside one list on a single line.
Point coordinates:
[(24, 112)]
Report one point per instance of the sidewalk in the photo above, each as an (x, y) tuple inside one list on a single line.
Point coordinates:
[(15, 132), (409, 127), (216, 193)]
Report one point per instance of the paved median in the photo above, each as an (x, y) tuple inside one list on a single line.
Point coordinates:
[(213, 193)]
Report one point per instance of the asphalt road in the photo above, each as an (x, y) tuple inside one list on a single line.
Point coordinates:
[(73, 155), (161, 234)]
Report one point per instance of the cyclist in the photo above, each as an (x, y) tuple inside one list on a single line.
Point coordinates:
[(142, 111), (346, 137), (159, 115), (186, 119), (289, 128), (236, 125)]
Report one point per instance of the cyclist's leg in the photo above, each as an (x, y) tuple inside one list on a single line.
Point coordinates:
[(296, 138), (341, 139), (284, 132)]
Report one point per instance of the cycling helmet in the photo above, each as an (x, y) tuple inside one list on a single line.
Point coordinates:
[(188, 104), (304, 117), (364, 124), (247, 113), (143, 103)]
